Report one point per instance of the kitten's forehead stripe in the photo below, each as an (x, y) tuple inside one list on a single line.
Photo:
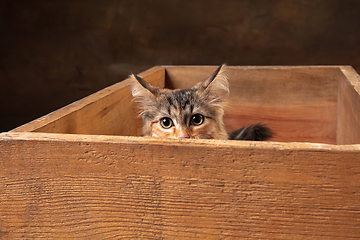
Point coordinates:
[(169, 100), (184, 104), (184, 97)]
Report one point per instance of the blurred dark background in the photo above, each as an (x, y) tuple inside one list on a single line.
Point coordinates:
[(56, 52)]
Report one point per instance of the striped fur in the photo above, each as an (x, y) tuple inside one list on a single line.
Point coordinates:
[(184, 107)]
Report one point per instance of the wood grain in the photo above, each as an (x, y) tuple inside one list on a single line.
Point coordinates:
[(109, 187), (298, 103), (109, 111), (301, 104), (294, 123), (268, 85), (348, 131)]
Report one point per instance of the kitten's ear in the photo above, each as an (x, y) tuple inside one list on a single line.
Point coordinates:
[(216, 87), (142, 90)]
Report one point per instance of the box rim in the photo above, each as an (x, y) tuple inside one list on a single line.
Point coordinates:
[(279, 146), (347, 70)]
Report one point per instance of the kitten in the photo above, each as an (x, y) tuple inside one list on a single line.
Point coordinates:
[(190, 113)]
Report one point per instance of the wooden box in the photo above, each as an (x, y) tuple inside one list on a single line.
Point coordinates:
[(82, 172)]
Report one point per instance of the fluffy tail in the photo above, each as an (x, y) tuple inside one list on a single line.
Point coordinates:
[(255, 132)]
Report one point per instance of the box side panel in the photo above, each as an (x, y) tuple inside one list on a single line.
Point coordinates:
[(113, 114), (348, 131), (78, 187), (298, 103), (109, 111)]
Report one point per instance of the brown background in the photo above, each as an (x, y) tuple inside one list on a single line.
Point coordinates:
[(55, 52)]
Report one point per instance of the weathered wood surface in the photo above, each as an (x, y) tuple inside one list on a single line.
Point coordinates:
[(301, 104), (298, 103), (349, 107), (108, 112), (108, 187)]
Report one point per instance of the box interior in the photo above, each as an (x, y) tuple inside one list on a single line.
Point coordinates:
[(300, 104)]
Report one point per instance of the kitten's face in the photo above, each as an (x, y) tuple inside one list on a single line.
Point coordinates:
[(189, 113), (182, 114)]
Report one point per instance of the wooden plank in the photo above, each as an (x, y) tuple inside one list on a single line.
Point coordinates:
[(270, 85), (109, 111), (294, 123), (348, 131), (101, 187), (298, 103)]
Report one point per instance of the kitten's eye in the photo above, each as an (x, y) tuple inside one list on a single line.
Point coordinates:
[(197, 119), (166, 122)]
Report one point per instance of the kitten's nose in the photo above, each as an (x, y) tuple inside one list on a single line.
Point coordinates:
[(183, 136), (182, 133)]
